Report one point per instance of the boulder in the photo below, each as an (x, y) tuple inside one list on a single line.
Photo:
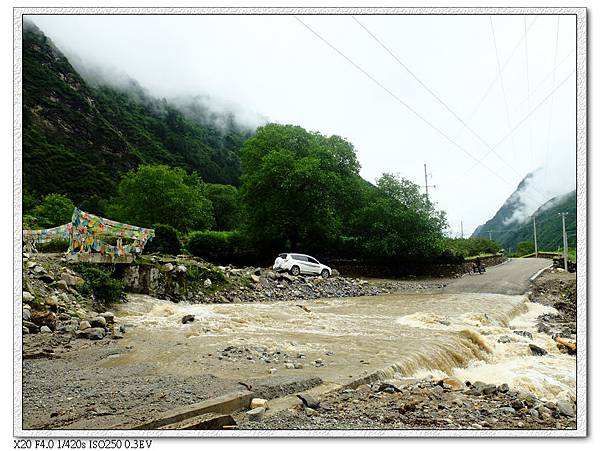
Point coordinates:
[(524, 333), (45, 330), (109, 317), (62, 285), (504, 388), (453, 383), (32, 327), (565, 408), (27, 296), (504, 339), (71, 280), (259, 402), (168, 267), (98, 321), (256, 414), (188, 319), (536, 350), (26, 314), (43, 318), (308, 400), (95, 333), (84, 325)]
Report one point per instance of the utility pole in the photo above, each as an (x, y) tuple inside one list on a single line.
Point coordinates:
[(535, 238), (427, 185), (462, 235), (490, 232), (565, 243)]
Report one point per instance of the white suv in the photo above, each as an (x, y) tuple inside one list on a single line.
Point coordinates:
[(297, 264)]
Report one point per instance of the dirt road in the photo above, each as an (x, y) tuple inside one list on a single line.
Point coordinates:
[(511, 277)]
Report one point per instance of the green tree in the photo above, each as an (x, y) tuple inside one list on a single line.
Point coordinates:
[(54, 210), (297, 186), (226, 206), (525, 248), (398, 222), (159, 194)]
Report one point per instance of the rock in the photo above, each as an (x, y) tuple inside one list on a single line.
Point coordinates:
[(42, 318), (117, 334), (255, 414), (298, 366), (454, 383), (25, 330), (271, 275), (388, 387), (109, 317), (45, 330), (168, 267), (84, 325), (565, 408), (272, 370), (308, 400), (310, 412), (207, 283), (255, 278), (507, 409), (504, 339), (188, 319), (258, 402), (181, 269), (504, 388), (26, 314), (33, 328), (27, 296), (335, 273), (95, 333), (536, 350), (38, 269), (524, 333), (289, 366), (98, 321), (62, 285), (489, 389), (71, 280), (543, 328), (46, 278)]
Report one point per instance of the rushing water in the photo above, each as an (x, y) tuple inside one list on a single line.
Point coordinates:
[(409, 334)]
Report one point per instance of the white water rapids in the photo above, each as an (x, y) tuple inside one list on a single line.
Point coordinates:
[(410, 334)]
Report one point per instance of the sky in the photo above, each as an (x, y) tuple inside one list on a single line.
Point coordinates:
[(478, 99)]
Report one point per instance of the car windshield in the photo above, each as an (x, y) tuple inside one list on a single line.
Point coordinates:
[(284, 256)]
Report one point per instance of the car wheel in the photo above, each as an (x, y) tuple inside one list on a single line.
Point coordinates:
[(295, 270), (324, 274)]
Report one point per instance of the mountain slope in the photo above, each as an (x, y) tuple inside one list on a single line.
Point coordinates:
[(79, 139), (509, 232)]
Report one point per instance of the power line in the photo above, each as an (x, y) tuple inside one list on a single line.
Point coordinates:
[(435, 96), (365, 73), (501, 82)]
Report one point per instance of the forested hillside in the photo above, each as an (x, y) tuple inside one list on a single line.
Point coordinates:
[(80, 139)]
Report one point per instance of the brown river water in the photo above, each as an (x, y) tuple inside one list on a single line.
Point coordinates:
[(403, 334)]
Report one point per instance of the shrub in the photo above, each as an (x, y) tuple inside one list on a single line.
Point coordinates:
[(58, 245), (100, 283), (166, 241), (210, 245)]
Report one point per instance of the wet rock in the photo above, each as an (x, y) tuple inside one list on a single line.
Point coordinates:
[(256, 414), (524, 333), (504, 388), (188, 319), (27, 296), (98, 321), (536, 350), (308, 400), (543, 328), (504, 339), (95, 333)]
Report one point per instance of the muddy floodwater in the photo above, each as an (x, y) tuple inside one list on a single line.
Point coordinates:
[(404, 335)]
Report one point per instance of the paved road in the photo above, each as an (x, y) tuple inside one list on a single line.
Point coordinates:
[(511, 277)]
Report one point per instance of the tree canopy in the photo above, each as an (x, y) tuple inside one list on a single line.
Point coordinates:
[(158, 194)]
